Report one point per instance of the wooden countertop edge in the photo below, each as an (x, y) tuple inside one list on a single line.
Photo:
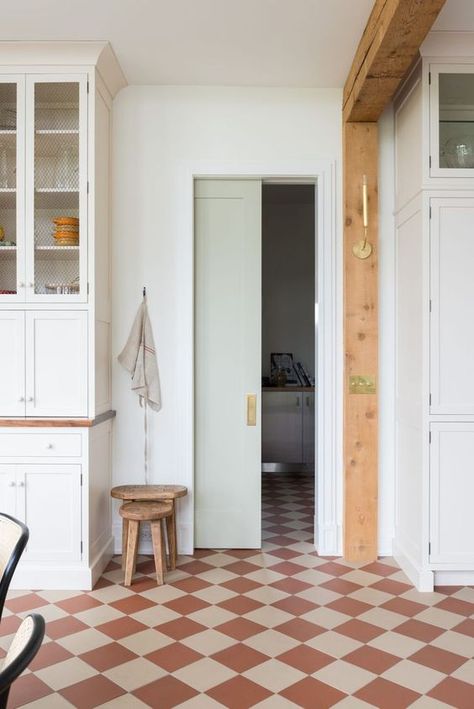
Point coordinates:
[(58, 423), (288, 389)]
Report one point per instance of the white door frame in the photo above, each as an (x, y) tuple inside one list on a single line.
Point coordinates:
[(328, 479)]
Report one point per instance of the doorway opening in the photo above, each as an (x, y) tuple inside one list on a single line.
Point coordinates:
[(289, 369)]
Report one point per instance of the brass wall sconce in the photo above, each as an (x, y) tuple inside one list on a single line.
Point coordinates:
[(363, 248)]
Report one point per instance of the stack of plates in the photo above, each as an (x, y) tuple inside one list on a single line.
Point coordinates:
[(66, 231)]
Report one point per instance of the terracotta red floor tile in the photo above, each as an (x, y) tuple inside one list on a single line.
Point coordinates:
[(240, 605), (332, 568), (456, 605), (25, 689), (202, 553), (295, 605), (418, 630), (132, 604), (281, 540), (379, 568), (102, 583), (290, 585), (349, 606), (386, 695), (447, 590), (403, 606), (180, 628), (300, 629), (239, 657), (92, 692), (241, 567), (454, 693), (56, 629), (305, 658), (309, 693), (107, 656), (165, 693), (371, 659), (240, 628), (28, 602), (391, 586), (240, 585), (121, 627), (285, 553), (173, 657), (438, 659), (466, 627), (9, 625), (288, 568), (186, 604), (191, 584), (341, 586), (195, 567), (240, 553), (49, 654), (76, 604), (238, 693), (144, 583), (359, 630)]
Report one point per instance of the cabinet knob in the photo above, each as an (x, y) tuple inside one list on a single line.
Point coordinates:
[(31, 284), (49, 446), (11, 484), (21, 484), (30, 398), (21, 284), (22, 398)]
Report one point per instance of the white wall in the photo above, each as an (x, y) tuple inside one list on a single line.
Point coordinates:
[(156, 131)]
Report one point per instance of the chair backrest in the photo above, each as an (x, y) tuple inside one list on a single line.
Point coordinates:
[(13, 538), (24, 646)]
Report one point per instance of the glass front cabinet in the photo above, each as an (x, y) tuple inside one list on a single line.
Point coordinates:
[(452, 120), (43, 188)]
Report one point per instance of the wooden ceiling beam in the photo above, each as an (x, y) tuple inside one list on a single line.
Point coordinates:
[(388, 47)]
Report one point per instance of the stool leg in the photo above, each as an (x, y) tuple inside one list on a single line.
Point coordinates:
[(175, 534), (171, 534), (158, 551), (132, 548), (124, 541)]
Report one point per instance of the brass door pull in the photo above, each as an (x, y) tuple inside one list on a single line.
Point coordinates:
[(251, 409)]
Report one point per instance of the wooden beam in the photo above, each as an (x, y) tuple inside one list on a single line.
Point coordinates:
[(361, 345), (389, 46)]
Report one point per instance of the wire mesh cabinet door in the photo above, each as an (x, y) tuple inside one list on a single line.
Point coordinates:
[(12, 188), (56, 188)]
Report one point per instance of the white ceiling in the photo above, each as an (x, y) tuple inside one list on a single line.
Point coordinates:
[(304, 43)]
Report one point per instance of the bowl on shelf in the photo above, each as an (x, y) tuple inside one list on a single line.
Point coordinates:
[(62, 288)]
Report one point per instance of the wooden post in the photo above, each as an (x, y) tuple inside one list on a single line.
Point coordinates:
[(361, 345)]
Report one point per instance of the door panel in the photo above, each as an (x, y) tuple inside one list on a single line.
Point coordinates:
[(282, 427), (8, 490), (227, 363), (56, 368), (12, 363)]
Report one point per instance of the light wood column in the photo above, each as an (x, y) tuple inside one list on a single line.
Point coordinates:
[(361, 345)]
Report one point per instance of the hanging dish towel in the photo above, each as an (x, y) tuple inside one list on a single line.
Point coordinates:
[(139, 358)]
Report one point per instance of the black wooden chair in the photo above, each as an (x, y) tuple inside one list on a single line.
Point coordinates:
[(24, 646), (13, 538)]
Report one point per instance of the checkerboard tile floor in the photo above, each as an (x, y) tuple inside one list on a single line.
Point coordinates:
[(239, 628)]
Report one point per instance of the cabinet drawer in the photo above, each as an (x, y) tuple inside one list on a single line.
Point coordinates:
[(29, 445)]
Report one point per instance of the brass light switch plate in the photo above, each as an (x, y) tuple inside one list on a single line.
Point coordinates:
[(362, 384)]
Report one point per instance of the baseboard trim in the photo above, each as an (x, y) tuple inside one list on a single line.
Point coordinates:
[(329, 539), (101, 561), (422, 579), (454, 578)]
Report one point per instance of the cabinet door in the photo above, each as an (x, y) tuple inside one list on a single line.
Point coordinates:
[(56, 363), (282, 427), (56, 187), (452, 306), (8, 490), (12, 188), (308, 428), (12, 363), (452, 493), (49, 502)]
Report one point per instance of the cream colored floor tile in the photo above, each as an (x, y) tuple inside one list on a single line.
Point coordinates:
[(145, 641), (306, 560), (208, 642), (455, 642), (200, 701), (334, 644), (51, 701), (414, 676), (214, 594), (109, 594), (134, 674), (353, 703), (265, 576), (383, 618), (219, 559), (116, 576), (211, 616), (440, 618), (402, 577), (274, 702), (6, 641), (319, 595), (155, 615), (56, 596), (100, 614), (274, 675), (427, 703), (204, 674), (85, 640), (266, 594), (396, 644), (126, 701), (363, 578), (344, 676), (162, 594), (427, 599), (65, 673), (49, 613), (465, 594), (216, 576), (269, 616), (176, 575), (371, 595), (313, 577), (465, 673), (326, 617), (271, 643)]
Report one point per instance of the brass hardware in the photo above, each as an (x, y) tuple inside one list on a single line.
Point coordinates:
[(251, 409), (359, 384), (363, 248)]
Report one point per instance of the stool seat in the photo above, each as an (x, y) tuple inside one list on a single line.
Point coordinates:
[(146, 510), (148, 492)]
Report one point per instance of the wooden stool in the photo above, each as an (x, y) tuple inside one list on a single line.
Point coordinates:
[(132, 514), (156, 493)]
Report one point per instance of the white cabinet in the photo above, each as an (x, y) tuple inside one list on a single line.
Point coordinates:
[(8, 490), (288, 427), (12, 363)]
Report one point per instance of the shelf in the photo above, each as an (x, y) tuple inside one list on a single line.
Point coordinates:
[(56, 198), (57, 253), (7, 190), (54, 131), (11, 250)]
